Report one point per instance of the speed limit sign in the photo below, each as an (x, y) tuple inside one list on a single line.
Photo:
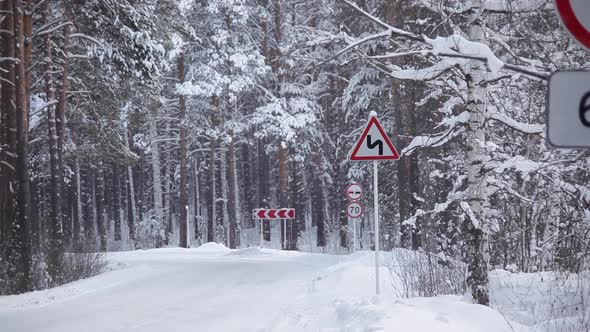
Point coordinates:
[(568, 124), (354, 210)]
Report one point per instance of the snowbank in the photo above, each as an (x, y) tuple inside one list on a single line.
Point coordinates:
[(252, 251), (440, 314), (542, 302), (76, 289), (213, 288), (213, 247)]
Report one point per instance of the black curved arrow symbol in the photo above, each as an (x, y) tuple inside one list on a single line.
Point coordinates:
[(372, 145)]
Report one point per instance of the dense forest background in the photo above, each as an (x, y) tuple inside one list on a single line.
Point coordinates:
[(128, 124)]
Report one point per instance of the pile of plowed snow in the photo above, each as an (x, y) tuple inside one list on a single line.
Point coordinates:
[(213, 247)]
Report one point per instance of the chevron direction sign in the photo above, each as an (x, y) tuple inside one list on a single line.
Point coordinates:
[(273, 213)]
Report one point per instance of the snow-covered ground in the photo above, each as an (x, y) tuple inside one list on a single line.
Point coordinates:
[(212, 288), (542, 302)]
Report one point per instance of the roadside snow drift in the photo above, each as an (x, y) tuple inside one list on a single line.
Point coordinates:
[(212, 288)]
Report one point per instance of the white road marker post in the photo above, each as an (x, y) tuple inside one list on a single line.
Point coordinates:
[(376, 208), (285, 234)]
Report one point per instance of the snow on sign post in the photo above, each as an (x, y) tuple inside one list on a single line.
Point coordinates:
[(374, 145), (568, 123), (274, 214)]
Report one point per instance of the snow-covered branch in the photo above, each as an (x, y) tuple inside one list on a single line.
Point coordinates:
[(497, 6), (526, 128), (454, 46), (86, 37), (455, 125), (46, 30)]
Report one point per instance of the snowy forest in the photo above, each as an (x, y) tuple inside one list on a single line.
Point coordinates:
[(136, 124)]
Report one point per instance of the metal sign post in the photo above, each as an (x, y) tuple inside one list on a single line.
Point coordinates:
[(354, 210), (261, 233), (376, 208), (353, 222), (188, 238), (273, 214), (375, 145)]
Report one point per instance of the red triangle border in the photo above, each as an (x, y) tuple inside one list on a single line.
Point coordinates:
[(374, 121)]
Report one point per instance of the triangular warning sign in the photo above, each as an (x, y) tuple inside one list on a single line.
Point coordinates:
[(374, 144)]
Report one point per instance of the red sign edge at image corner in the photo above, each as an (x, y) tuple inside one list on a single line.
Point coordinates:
[(357, 147), (571, 22)]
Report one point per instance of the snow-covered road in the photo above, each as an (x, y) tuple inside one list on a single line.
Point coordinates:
[(213, 289)]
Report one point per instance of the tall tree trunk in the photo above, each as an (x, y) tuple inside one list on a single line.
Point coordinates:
[(212, 221), (249, 193), (283, 189), (9, 250), (168, 198), (234, 197), (108, 199), (394, 15), (156, 175), (477, 254), (298, 203), (224, 196), (140, 185), (87, 178), (317, 200), (56, 245), (60, 131), (183, 162), (276, 64), (132, 218), (263, 183), (116, 202), (79, 221), (263, 173), (100, 206), (197, 200), (20, 228)]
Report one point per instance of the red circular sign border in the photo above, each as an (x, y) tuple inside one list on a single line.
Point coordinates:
[(362, 209), (571, 22), (362, 192)]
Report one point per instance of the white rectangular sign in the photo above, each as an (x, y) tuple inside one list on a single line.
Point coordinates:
[(569, 109)]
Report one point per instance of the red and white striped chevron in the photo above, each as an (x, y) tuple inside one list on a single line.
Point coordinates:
[(273, 213)]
